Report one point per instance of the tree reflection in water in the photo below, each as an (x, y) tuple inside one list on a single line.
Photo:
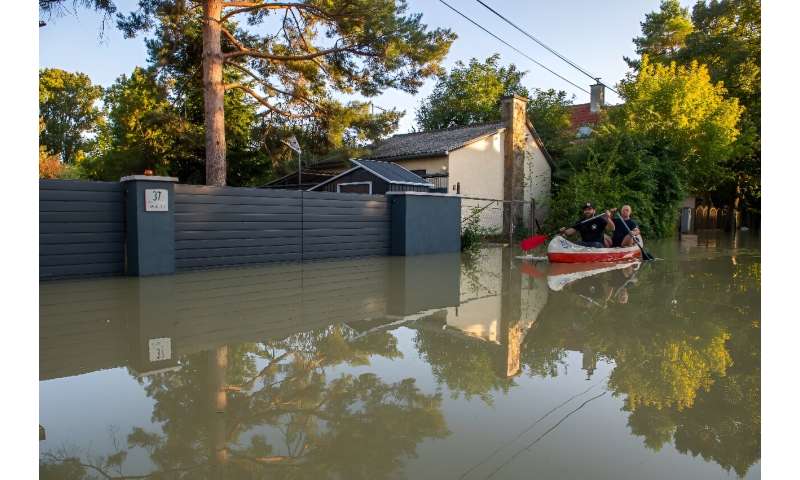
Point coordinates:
[(684, 344), (685, 349), (272, 409)]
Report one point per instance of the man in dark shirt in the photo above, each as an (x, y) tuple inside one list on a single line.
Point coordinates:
[(621, 237), (591, 231)]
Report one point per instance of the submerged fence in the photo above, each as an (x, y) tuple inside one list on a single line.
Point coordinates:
[(81, 228), (108, 228), (238, 226)]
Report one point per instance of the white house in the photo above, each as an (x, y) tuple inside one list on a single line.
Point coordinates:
[(503, 162)]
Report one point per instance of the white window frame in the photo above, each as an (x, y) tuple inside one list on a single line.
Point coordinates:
[(339, 190)]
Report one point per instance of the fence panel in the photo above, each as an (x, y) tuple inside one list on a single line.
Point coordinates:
[(81, 228), (228, 226), (340, 225), (217, 227)]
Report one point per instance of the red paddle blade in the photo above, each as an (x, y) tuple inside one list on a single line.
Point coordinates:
[(532, 242)]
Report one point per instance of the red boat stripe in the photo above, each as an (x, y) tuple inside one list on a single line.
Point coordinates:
[(591, 257)]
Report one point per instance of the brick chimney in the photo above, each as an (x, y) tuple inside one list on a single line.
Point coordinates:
[(598, 97), (513, 114)]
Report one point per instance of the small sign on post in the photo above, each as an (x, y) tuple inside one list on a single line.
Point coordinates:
[(156, 200)]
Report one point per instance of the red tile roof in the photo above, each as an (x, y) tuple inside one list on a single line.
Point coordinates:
[(581, 115)]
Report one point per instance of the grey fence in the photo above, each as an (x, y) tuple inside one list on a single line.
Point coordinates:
[(101, 228), (227, 226), (81, 228)]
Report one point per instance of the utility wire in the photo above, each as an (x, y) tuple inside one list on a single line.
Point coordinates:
[(507, 443), (540, 437), (549, 49), (512, 46)]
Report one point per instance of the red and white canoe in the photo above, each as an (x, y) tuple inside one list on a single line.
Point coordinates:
[(561, 250)]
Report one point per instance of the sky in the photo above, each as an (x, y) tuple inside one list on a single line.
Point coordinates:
[(593, 34)]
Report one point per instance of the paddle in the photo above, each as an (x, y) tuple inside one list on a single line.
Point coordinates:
[(532, 242), (645, 256)]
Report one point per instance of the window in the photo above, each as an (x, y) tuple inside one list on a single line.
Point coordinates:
[(354, 187)]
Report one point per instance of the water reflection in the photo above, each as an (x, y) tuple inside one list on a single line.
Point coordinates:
[(295, 371)]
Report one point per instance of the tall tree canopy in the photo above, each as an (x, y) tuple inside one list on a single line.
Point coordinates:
[(471, 93), (49, 9), (680, 111), (68, 107), (663, 32), (725, 36), (675, 132), (313, 48)]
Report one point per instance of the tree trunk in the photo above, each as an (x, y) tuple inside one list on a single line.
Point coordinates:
[(213, 93)]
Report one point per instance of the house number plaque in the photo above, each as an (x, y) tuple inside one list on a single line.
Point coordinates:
[(155, 200), (160, 349)]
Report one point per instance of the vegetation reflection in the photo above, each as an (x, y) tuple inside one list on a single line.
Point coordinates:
[(277, 408), (685, 345)]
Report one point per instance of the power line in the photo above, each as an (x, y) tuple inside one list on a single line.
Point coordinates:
[(549, 49), (512, 46)]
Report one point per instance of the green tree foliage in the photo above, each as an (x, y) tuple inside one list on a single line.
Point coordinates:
[(294, 57), (549, 112), (663, 33), (144, 131), (675, 133), (682, 115), (68, 107), (725, 36), (50, 9), (471, 94)]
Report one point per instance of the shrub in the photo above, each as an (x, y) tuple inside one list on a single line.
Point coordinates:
[(472, 233)]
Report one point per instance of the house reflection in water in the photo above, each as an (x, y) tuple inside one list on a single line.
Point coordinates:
[(498, 305)]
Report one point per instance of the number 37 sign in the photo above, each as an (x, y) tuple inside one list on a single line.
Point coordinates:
[(155, 200)]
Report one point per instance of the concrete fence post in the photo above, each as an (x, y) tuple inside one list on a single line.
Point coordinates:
[(150, 225)]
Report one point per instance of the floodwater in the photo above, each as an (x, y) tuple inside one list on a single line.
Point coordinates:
[(436, 367)]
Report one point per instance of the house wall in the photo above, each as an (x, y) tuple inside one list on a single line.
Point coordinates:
[(430, 165), (537, 181), (478, 168)]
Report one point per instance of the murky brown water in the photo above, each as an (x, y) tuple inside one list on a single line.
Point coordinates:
[(441, 367)]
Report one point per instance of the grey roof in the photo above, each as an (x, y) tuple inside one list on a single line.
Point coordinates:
[(388, 171), (431, 144), (391, 172)]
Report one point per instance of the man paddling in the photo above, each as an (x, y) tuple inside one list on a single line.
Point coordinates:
[(621, 237), (592, 230)]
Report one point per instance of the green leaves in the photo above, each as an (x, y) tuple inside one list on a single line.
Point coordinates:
[(724, 36), (679, 111), (470, 94), (67, 105), (674, 134)]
